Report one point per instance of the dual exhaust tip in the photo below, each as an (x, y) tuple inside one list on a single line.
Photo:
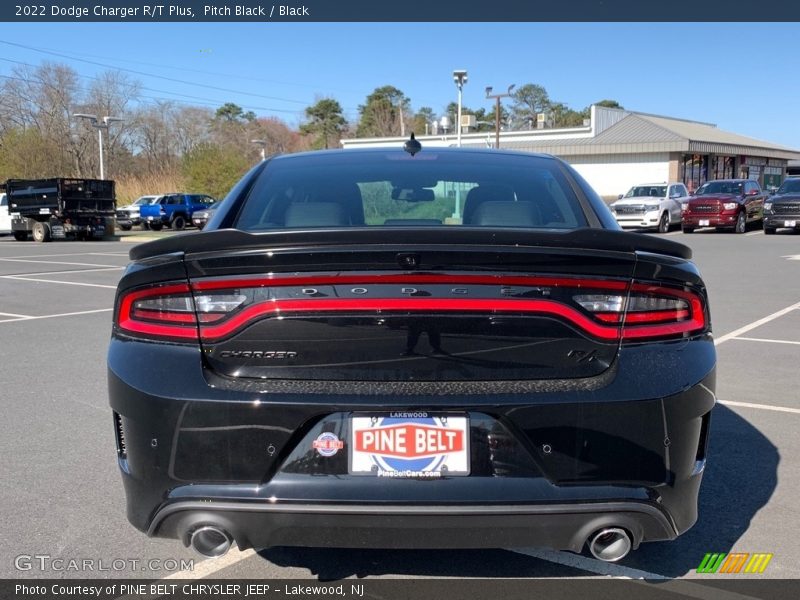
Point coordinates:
[(210, 541), (610, 544)]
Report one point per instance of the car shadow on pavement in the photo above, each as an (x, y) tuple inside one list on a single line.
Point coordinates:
[(740, 477)]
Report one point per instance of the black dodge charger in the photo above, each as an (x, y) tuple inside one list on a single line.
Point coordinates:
[(401, 348)]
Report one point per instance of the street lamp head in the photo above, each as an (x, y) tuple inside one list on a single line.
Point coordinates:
[(488, 90), (108, 120), (92, 118), (260, 142), (460, 77), (511, 87)]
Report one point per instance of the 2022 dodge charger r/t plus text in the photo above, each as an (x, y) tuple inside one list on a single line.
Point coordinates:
[(443, 348)]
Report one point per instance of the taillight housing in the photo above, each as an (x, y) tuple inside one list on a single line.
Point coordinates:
[(649, 311), (605, 309), (171, 312)]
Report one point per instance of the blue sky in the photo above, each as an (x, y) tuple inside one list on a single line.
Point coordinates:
[(740, 76)]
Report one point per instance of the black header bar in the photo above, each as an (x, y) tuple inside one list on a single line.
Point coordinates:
[(406, 11)]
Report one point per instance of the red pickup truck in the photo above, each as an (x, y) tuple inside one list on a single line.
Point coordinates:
[(725, 204)]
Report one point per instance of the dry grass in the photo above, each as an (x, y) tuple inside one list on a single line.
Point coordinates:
[(130, 187)]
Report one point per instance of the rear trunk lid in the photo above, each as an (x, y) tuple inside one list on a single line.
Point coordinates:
[(404, 305)]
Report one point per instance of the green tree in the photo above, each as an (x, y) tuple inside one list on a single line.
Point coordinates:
[(325, 122), (26, 153), (234, 113), (213, 169), (610, 104), (383, 112), (564, 116), (529, 100)]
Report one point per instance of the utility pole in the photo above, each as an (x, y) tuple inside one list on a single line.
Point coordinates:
[(497, 110)]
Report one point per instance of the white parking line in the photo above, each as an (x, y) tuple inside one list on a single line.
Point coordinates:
[(69, 314), (754, 232), (125, 254), (584, 563), (67, 271), (54, 262), (3, 314), (784, 409), (749, 339), (18, 278), (52, 255), (754, 324), (211, 566)]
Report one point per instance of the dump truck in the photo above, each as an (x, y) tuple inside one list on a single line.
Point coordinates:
[(61, 208)]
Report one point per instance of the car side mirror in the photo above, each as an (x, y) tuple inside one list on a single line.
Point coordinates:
[(619, 197)]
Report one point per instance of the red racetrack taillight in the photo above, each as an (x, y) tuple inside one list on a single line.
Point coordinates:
[(649, 311), (608, 310)]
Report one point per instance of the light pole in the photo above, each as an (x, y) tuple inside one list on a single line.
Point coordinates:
[(460, 78), (497, 111), (263, 144), (99, 126)]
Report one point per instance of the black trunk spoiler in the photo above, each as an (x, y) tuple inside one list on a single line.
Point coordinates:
[(586, 238)]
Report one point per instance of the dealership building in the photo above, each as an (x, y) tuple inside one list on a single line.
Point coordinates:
[(616, 149)]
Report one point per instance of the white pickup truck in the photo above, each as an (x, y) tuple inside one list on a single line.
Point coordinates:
[(5, 216), (650, 206)]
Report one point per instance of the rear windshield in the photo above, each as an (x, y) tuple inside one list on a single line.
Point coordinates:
[(356, 189)]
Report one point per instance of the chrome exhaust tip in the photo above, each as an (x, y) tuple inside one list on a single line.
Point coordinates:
[(610, 544), (210, 541)]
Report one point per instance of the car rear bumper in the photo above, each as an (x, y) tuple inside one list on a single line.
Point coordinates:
[(565, 527), (627, 451)]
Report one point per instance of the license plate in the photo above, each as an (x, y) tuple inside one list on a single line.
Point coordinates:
[(416, 444), (149, 218), (703, 222), (790, 223)]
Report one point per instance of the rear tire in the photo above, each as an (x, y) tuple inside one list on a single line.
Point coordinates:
[(663, 224), (41, 232), (21, 236), (156, 226), (741, 223), (178, 223), (687, 229), (126, 227), (769, 231)]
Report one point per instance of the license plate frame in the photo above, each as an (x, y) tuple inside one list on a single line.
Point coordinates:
[(409, 444)]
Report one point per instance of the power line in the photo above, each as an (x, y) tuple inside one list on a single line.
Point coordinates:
[(145, 74), (196, 99), (187, 69)]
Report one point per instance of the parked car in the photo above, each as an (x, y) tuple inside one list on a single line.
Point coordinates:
[(174, 210), (650, 206), (783, 208), (336, 360), (128, 216), (725, 204), (201, 217)]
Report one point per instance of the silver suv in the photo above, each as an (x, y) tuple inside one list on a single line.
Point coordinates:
[(651, 206)]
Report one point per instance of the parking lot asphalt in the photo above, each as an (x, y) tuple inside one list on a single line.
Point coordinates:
[(62, 496)]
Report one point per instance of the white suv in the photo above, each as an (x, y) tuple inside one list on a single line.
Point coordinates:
[(650, 205)]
